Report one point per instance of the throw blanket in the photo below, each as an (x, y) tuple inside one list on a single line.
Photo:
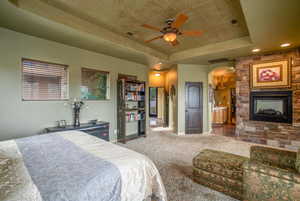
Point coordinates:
[(74, 166)]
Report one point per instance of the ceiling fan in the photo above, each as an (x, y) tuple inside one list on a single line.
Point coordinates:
[(171, 31)]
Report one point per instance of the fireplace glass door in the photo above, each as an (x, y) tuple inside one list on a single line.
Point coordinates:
[(269, 107), (272, 106)]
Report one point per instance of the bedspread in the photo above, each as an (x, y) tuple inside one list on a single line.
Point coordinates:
[(74, 166)]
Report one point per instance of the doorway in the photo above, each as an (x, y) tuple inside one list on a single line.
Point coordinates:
[(223, 86), (157, 106), (153, 101), (193, 107)]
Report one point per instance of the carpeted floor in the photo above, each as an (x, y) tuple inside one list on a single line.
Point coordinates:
[(173, 157)]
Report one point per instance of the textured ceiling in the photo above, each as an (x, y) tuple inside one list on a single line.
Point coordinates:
[(101, 26), (122, 16)]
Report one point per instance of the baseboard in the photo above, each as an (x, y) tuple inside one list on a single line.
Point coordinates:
[(181, 133), (207, 133), (114, 141), (296, 124), (204, 133)]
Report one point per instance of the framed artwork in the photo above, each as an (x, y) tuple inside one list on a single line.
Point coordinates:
[(270, 74), (94, 84)]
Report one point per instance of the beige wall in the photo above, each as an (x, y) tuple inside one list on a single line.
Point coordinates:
[(24, 118), (192, 73), (155, 81)]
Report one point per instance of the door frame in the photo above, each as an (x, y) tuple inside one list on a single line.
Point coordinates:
[(201, 106)]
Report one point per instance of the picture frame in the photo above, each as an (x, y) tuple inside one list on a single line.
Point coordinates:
[(95, 84), (270, 74)]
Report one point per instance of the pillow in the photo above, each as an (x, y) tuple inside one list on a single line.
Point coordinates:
[(8, 177), (298, 161)]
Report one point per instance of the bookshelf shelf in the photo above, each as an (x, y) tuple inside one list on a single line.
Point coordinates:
[(131, 110)]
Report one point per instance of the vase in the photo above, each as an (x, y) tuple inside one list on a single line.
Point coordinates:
[(76, 118)]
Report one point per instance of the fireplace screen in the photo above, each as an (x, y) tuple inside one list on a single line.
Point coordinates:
[(273, 106), (269, 107)]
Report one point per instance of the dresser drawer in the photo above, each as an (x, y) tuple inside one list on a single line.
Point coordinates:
[(100, 133)]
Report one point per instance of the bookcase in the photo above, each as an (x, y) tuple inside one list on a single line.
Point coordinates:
[(131, 109)]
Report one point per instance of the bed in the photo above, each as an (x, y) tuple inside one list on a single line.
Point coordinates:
[(74, 166)]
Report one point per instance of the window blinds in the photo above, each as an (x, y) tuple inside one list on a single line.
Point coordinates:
[(44, 81)]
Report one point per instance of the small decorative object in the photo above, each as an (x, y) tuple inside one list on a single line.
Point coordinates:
[(61, 124), (173, 92), (211, 93), (77, 105), (94, 121), (271, 74)]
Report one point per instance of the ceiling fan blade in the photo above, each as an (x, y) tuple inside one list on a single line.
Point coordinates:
[(180, 20), (174, 43), (158, 37), (151, 27), (192, 33)]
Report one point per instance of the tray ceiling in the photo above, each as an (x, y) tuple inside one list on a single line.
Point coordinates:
[(122, 16), (102, 26)]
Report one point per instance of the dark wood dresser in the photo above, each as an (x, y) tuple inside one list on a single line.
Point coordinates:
[(100, 129)]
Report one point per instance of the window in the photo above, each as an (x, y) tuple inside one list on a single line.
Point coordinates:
[(44, 81), (94, 85)]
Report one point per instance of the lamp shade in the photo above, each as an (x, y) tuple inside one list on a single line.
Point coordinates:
[(170, 37)]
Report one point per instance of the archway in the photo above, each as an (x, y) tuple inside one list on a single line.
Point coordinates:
[(222, 98)]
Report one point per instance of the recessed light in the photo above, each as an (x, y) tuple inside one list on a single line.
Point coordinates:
[(256, 50), (234, 21), (285, 45), (129, 33), (157, 74)]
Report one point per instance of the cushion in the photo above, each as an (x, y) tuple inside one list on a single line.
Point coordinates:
[(8, 176), (274, 157), (264, 170), (220, 163), (298, 161), (231, 187), (270, 183)]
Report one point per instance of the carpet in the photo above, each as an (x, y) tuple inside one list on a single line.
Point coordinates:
[(173, 156)]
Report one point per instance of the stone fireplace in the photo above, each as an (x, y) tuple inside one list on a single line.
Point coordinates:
[(259, 129), (271, 106)]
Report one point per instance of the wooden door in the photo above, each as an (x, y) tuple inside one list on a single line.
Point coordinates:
[(193, 108)]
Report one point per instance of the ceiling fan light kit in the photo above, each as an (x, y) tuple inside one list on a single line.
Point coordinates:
[(170, 37), (171, 31)]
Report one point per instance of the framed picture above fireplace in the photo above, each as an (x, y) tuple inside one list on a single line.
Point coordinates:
[(270, 74)]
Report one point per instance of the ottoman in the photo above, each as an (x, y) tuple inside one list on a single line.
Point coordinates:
[(220, 171)]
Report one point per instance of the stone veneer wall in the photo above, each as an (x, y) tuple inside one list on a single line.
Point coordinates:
[(273, 134)]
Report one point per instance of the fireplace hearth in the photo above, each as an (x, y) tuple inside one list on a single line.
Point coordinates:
[(271, 106)]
